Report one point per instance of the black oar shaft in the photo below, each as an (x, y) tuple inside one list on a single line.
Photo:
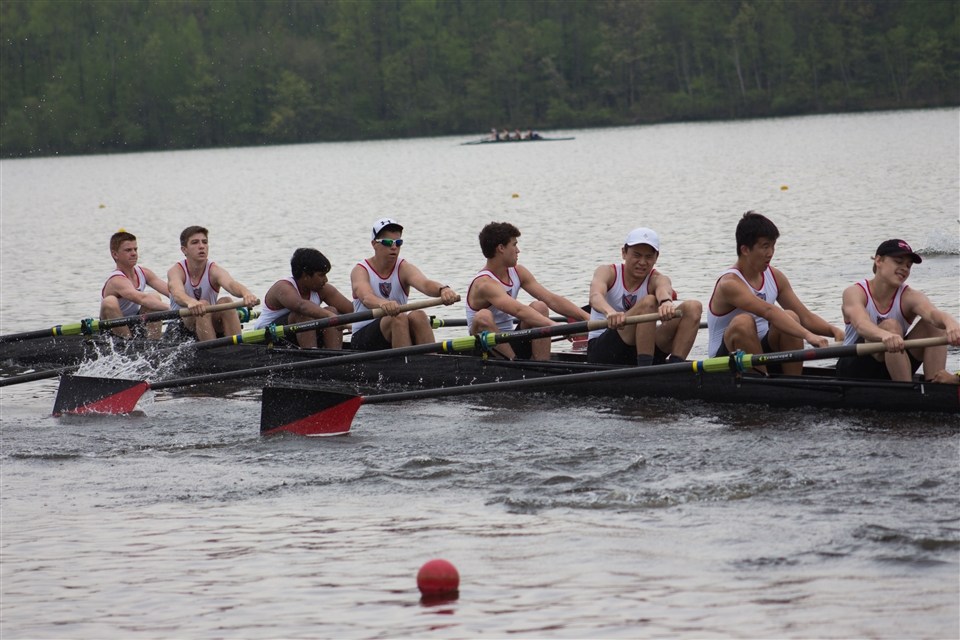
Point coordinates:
[(732, 363), (467, 343), (36, 375)]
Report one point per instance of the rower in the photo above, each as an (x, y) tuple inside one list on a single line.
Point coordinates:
[(299, 298), (195, 282), (124, 293), (492, 295), (383, 281), (741, 314), (632, 288), (882, 309)]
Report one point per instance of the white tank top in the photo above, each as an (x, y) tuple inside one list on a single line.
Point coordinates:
[(619, 298), (895, 311), (201, 290), (505, 321), (128, 307), (270, 315), (717, 324), (388, 288)]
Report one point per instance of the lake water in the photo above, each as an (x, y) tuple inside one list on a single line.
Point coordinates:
[(566, 518)]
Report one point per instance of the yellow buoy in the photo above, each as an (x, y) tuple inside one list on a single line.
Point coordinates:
[(516, 195), (783, 187)]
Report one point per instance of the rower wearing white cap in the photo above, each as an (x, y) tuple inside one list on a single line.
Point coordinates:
[(383, 281), (635, 287)]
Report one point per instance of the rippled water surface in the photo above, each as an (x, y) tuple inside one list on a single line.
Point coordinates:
[(565, 517)]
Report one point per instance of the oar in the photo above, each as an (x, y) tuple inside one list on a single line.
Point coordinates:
[(440, 323), (90, 326), (80, 394), (245, 313), (274, 333), (253, 336), (327, 413)]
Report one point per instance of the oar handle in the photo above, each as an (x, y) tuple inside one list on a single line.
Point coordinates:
[(212, 308), (868, 348)]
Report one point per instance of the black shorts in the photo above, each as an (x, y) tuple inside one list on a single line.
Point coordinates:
[(179, 332), (609, 348), (370, 338), (867, 367), (773, 367)]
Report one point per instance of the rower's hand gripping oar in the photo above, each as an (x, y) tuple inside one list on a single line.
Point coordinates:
[(90, 326), (79, 394), (328, 413), (86, 394)]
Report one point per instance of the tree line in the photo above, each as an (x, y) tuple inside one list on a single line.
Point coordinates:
[(125, 75)]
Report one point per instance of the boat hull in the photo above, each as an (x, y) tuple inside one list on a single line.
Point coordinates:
[(817, 389)]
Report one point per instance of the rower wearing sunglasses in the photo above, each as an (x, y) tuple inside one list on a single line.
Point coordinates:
[(383, 281)]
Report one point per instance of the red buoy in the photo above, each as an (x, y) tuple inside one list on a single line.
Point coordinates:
[(438, 578)]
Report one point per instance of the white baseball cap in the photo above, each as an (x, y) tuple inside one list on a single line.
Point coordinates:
[(381, 223), (643, 235)]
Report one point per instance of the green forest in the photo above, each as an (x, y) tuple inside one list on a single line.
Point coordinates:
[(127, 75)]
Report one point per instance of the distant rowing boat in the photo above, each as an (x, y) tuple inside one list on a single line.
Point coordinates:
[(819, 388), (539, 139)]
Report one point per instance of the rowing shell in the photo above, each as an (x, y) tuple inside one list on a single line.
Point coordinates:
[(819, 389)]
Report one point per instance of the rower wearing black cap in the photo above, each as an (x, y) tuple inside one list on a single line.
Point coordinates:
[(883, 309)]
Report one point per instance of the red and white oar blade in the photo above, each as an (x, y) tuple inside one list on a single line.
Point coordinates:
[(307, 412), (83, 394)]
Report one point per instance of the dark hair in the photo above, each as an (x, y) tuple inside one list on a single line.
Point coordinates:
[(495, 234), (191, 231), (119, 238), (752, 227), (308, 262)]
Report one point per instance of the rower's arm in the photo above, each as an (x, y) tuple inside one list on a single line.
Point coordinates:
[(919, 303), (362, 291), (603, 279), (286, 295), (555, 302), (855, 312), (220, 276), (734, 292), (178, 292), (788, 299), (156, 283), (488, 292), (122, 288), (332, 296), (412, 276)]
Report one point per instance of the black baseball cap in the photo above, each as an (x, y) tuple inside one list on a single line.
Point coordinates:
[(898, 248)]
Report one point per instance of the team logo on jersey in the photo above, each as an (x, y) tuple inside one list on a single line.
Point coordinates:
[(762, 295), (197, 292), (628, 301), (385, 289)]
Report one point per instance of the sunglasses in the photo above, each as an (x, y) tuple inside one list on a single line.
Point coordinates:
[(389, 242)]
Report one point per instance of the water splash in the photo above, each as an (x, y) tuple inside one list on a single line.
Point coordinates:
[(154, 362), (940, 242)]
